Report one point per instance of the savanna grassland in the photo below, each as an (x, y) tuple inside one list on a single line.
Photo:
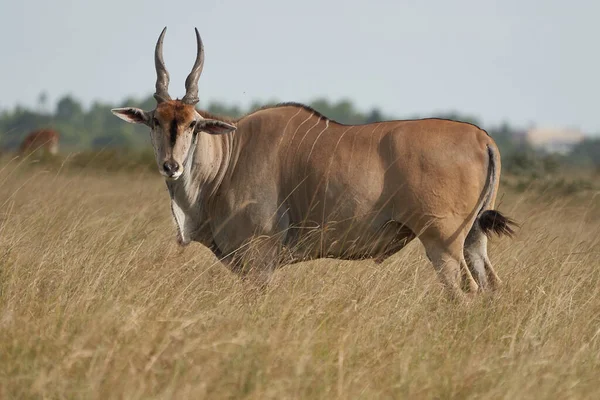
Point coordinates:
[(97, 301)]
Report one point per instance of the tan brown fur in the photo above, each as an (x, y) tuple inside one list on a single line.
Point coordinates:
[(438, 184), (44, 139), (176, 111), (285, 184), (207, 115)]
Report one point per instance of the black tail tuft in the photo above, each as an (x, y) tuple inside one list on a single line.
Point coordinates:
[(492, 221)]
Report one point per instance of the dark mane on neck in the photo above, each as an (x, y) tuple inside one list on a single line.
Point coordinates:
[(298, 105), (208, 115)]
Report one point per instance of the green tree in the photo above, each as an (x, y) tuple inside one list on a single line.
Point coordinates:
[(68, 108), (586, 153), (374, 116)]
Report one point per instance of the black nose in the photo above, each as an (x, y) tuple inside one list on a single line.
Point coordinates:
[(170, 167)]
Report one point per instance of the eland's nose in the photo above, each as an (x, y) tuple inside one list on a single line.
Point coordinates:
[(171, 167)]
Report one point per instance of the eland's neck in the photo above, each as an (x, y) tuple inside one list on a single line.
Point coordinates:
[(207, 166)]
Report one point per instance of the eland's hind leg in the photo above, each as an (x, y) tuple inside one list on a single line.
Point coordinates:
[(475, 252), (447, 258)]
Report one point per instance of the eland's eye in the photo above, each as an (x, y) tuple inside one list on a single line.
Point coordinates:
[(192, 124), (154, 121)]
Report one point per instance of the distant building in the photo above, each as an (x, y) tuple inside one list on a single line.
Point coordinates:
[(553, 140)]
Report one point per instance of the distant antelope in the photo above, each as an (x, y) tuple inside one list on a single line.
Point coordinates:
[(293, 185), (45, 139)]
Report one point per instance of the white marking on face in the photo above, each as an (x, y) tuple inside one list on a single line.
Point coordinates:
[(173, 177)]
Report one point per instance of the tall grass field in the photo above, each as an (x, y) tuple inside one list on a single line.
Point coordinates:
[(97, 301)]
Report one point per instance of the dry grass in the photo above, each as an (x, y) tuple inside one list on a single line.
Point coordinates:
[(98, 302)]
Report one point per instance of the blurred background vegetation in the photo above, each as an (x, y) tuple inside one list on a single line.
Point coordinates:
[(95, 137)]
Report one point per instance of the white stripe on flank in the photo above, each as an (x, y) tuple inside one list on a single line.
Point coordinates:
[(298, 127), (287, 124), (308, 131), (315, 142)]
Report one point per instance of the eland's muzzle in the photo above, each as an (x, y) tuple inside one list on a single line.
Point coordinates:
[(171, 168)]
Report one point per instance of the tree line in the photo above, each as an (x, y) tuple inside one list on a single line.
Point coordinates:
[(96, 128)]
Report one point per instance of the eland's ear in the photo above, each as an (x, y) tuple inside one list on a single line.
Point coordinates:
[(214, 127), (132, 115)]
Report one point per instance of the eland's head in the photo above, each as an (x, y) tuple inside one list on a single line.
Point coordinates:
[(174, 124)]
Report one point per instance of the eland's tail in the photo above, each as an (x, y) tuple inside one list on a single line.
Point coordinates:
[(492, 221)]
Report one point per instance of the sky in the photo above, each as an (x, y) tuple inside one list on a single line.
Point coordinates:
[(526, 62)]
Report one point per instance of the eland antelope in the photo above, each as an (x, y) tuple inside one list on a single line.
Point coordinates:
[(285, 183), (45, 139)]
